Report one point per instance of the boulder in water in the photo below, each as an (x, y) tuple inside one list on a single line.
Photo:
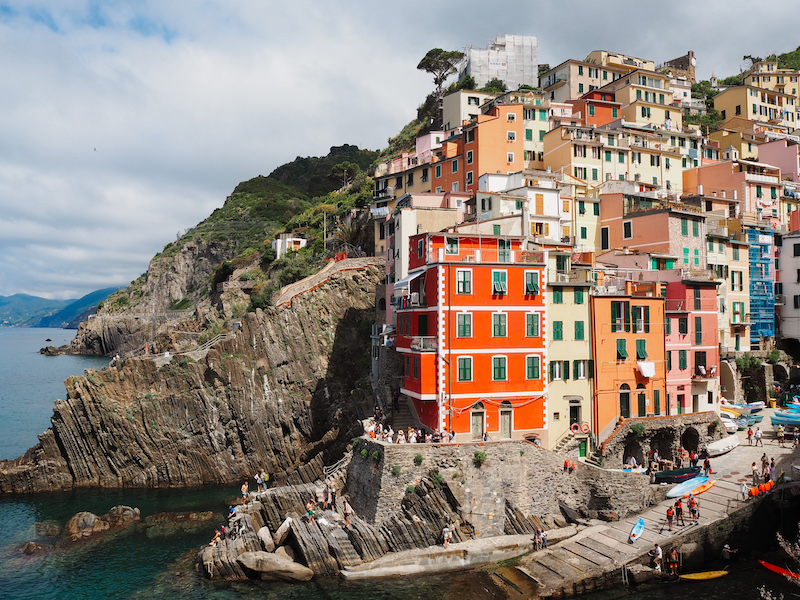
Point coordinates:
[(31, 548), (85, 524), (274, 567), (122, 516)]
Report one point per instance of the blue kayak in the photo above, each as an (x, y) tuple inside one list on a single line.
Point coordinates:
[(637, 531), (687, 486)]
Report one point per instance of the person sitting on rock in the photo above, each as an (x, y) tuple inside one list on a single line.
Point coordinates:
[(217, 538)]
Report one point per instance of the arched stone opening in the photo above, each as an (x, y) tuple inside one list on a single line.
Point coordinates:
[(690, 439), (382, 304), (728, 382), (633, 448), (664, 441)]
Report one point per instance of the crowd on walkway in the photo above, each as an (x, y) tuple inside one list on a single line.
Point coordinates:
[(378, 429)]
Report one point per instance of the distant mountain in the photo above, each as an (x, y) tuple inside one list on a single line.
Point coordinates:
[(20, 310), (74, 313)]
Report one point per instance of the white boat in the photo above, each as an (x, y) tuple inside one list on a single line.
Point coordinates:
[(730, 425), (722, 446)]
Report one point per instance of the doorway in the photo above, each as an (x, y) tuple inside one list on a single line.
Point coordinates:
[(624, 401), (478, 421)]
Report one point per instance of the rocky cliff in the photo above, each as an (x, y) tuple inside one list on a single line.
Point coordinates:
[(281, 392)]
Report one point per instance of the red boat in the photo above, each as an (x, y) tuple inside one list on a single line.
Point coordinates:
[(780, 570)]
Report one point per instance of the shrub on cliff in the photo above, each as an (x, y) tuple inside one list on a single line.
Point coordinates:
[(479, 458), (418, 459), (637, 429)]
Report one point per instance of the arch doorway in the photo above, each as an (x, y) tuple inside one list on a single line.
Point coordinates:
[(690, 439), (633, 448), (478, 418), (625, 401)]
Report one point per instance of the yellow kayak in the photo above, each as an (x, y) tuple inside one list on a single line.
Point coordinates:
[(703, 575)]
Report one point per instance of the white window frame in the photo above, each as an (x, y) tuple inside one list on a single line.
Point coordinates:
[(470, 156), (437, 171), (505, 359), (471, 369), (583, 370), (468, 278), (511, 117), (469, 316), (447, 245), (511, 136), (541, 361), (510, 158), (538, 318), (469, 180), (537, 281), (505, 281), (498, 314), (455, 186), (454, 166), (627, 237), (558, 370)]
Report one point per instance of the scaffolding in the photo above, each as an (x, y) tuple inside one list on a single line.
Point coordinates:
[(762, 294), (513, 58)]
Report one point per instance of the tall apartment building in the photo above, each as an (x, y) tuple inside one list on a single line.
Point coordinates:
[(513, 59)]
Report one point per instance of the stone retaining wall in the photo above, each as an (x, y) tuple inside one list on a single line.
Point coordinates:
[(516, 476)]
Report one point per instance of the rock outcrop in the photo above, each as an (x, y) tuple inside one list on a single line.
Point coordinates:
[(281, 393), (274, 567)]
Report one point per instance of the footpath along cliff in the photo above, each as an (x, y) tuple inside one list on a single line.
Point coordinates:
[(281, 392)]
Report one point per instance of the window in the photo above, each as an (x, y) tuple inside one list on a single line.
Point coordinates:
[(499, 282), (420, 248), (622, 349), (759, 192), (532, 367), (558, 330), (437, 171), (464, 325), (465, 368), (542, 114), (641, 349), (557, 369), (697, 298), (698, 331), (463, 281), (605, 244), (579, 369), (499, 368), (686, 256), (614, 113), (608, 155), (469, 179), (627, 229), (416, 367), (641, 319), (696, 256), (511, 136), (451, 246), (580, 70), (584, 234), (668, 356), (580, 88), (696, 228), (620, 315), (668, 326), (735, 251), (532, 325), (470, 154), (531, 283), (509, 157), (541, 137), (683, 325), (578, 296), (558, 295), (499, 325), (682, 359), (591, 110), (596, 209), (579, 330), (684, 226), (407, 367), (495, 229)]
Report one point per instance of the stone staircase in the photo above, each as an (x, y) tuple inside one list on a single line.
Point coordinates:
[(403, 418), (596, 460), (564, 442)]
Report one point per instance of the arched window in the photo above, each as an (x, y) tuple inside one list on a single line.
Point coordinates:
[(625, 401)]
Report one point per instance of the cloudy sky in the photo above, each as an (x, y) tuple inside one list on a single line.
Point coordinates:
[(124, 123)]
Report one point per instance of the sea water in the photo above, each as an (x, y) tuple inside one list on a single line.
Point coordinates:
[(148, 564)]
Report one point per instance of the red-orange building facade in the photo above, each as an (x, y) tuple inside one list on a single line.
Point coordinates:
[(471, 332)]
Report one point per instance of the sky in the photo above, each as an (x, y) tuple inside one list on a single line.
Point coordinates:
[(122, 124)]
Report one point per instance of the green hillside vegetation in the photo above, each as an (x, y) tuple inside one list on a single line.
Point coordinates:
[(20, 310), (309, 176)]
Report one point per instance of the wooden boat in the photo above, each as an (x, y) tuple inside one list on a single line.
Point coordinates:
[(676, 475), (687, 486), (703, 576), (779, 570), (786, 419), (701, 488), (722, 446), (636, 531)]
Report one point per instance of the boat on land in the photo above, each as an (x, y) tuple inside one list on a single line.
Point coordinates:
[(703, 487), (788, 418), (779, 570), (687, 486), (676, 475), (703, 576), (636, 531), (722, 446)]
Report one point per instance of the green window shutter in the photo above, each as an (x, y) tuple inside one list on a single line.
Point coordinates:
[(575, 368), (622, 350), (696, 228), (681, 359), (668, 326), (533, 367), (584, 233), (496, 229), (774, 192), (696, 256), (627, 316), (558, 295), (615, 316), (552, 370), (590, 369), (594, 174), (686, 256), (558, 330), (566, 370), (621, 157), (578, 330), (641, 349), (657, 401), (529, 135), (614, 113), (596, 209), (647, 319), (542, 114), (578, 296), (684, 226), (668, 356), (698, 331)]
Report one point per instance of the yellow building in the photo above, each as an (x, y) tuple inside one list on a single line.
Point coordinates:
[(613, 59), (766, 75), (757, 104), (573, 78), (569, 350), (645, 98)]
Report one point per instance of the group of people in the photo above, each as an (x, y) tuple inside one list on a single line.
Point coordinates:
[(766, 472), (657, 558), (376, 430), (675, 512), (755, 438), (329, 503), (262, 481), (781, 432)]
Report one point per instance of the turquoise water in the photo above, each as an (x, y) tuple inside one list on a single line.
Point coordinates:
[(145, 564)]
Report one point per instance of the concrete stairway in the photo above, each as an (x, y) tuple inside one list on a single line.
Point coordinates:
[(403, 418), (582, 563)]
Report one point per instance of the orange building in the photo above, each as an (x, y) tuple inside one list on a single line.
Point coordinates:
[(471, 330), (628, 349), (596, 108)]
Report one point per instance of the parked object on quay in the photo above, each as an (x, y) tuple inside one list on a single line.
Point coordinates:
[(703, 576), (687, 486), (637, 531)]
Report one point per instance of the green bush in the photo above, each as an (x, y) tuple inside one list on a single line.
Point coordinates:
[(637, 429), (418, 459), (410, 489), (774, 357), (376, 456), (364, 453), (479, 458), (438, 480), (355, 443), (396, 470)]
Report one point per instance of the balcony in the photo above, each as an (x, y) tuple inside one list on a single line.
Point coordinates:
[(701, 373), (386, 192), (424, 343), (756, 178), (780, 300)]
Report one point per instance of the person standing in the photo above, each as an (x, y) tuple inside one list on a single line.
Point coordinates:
[(679, 512), (706, 466), (333, 500), (749, 436), (446, 533), (727, 553), (245, 490), (781, 434), (755, 474), (670, 516), (309, 511), (658, 555), (759, 434), (743, 491), (326, 497), (347, 510), (672, 561)]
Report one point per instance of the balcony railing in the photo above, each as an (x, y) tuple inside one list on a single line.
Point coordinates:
[(386, 192), (703, 372), (424, 343)]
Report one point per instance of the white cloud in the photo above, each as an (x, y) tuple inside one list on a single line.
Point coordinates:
[(123, 123)]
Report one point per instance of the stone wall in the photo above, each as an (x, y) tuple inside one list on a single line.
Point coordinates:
[(516, 478), (666, 434)]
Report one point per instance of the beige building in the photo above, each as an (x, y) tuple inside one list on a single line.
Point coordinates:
[(573, 78), (768, 76), (462, 106), (612, 59), (757, 104)]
